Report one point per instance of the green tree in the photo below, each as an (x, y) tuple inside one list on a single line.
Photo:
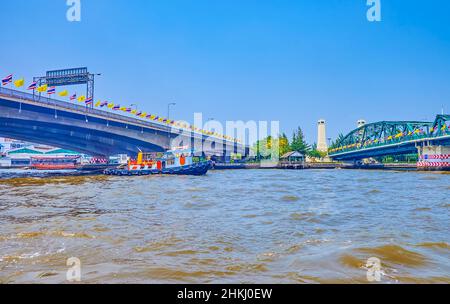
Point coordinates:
[(316, 153), (299, 143), (264, 148), (284, 145)]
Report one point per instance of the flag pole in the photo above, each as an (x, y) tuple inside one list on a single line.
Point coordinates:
[(54, 102)]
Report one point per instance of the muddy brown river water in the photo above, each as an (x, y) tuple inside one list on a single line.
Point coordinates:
[(244, 226)]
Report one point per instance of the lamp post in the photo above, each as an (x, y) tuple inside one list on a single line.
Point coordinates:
[(92, 89), (168, 108), (207, 123), (168, 117)]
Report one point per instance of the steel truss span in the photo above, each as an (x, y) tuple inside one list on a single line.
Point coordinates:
[(391, 137)]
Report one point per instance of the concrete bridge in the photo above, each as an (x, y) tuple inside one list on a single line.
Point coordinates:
[(392, 138), (95, 132)]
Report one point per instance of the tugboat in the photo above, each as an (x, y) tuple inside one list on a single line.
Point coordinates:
[(174, 162)]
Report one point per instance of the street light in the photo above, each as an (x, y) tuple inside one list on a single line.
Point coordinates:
[(168, 109), (207, 123), (168, 117)]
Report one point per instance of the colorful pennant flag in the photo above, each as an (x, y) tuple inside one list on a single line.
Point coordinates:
[(73, 97), (33, 86), (82, 98), (7, 80), (51, 90), (110, 105), (64, 93), (19, 83), (42, 89)]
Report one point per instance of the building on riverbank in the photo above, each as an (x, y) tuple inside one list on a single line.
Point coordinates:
[(8, 144), (293, 157), (21, 157)]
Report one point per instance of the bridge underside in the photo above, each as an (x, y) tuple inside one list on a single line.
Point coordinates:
[(74, 138), (369, 153)]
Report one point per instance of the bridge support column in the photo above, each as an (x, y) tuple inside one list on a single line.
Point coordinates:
[(433, 157)]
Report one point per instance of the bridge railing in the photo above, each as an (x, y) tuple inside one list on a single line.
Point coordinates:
[(87, 110), (66, 105)]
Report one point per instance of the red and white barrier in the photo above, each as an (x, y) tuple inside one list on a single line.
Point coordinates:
[(434, 161), (96, 160), (437, 156), (423, 164)]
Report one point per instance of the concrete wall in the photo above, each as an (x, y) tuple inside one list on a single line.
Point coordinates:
[(434, 150)]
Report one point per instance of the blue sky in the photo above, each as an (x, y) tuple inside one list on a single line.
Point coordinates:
[(292, 61)]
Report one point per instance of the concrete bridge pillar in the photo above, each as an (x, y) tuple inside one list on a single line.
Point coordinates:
[(433, 157)]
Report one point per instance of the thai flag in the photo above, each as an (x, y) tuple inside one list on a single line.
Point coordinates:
[(7, 79), (156, 118), (128, 110), (116, 108), (103, 104), (73, 97), (88, 101), (51, 91), (138, 113), (33, 86)]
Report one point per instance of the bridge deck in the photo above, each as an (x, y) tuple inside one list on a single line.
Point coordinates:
[(63, 105), (391, 138)]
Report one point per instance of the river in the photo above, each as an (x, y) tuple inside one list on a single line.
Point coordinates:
[(243, 226)]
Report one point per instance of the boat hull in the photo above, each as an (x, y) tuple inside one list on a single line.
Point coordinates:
[(197, 169), (53, 167)]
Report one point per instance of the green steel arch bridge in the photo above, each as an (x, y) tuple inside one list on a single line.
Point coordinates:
[(391, 138)]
